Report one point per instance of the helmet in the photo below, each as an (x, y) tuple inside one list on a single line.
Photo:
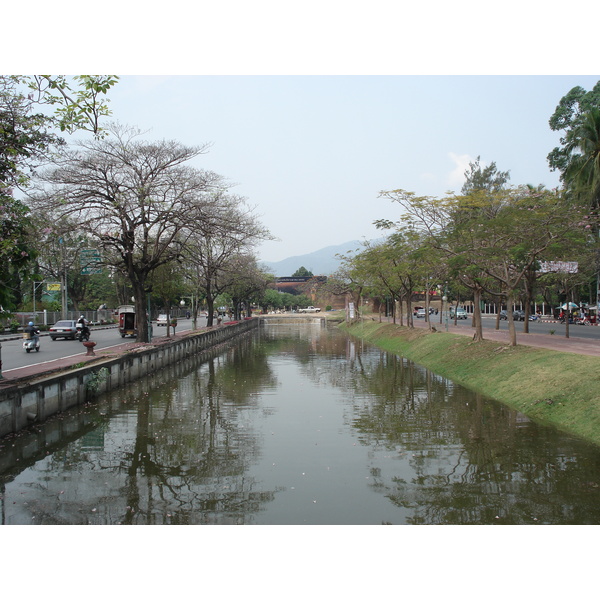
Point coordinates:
[(81, 317), (31, 323)]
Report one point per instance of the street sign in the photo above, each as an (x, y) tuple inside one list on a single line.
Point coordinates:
[(89, 259)]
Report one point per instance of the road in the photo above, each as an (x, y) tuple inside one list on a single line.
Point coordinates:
[(13, 356), (489, 322)]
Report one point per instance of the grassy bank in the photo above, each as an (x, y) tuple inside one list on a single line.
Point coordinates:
[(552, 387)]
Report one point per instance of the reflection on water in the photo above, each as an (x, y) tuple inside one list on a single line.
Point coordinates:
[(294, 425)]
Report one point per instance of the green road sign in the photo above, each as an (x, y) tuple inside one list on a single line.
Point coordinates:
[(89, 259)]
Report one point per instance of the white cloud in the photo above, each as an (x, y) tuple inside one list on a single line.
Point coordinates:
[(456, 177)]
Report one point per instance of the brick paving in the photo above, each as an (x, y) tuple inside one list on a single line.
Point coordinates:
[(557, 342)]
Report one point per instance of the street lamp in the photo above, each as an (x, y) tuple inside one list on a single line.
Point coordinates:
[(182, 304), (445, 301)]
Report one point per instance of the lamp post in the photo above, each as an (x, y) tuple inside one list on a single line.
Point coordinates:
[(36, 285), (445, 302), (182, 304)]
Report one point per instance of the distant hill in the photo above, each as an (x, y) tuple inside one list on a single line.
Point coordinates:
[(321, 262)]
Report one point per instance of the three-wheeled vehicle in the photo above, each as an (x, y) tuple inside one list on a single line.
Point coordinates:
[(127, 321)]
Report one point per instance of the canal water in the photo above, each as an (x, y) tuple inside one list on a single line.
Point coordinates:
[(297, 424)]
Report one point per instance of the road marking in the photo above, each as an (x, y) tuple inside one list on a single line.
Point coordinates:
[(47, 362)]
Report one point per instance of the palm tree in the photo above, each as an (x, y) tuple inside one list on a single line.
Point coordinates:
[(582, 175)]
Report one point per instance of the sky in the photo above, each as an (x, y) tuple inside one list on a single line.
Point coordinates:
[(311, 113), (312, 153)]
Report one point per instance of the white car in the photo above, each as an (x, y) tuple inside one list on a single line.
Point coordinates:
[(161, 321), (461, 313), (421, 313)]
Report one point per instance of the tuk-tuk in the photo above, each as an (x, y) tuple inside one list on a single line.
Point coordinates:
[(127, 322)]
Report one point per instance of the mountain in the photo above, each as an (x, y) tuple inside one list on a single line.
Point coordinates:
[(320, 262)]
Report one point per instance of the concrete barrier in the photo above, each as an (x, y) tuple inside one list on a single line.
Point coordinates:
[(25, 403)]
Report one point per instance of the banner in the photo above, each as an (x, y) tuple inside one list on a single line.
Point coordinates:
[(558, 267)]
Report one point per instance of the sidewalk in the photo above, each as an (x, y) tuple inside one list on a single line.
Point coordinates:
[(556, 342)]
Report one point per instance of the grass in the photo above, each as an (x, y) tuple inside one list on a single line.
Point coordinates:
[(554, 388)]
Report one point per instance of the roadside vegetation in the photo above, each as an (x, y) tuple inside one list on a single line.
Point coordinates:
[(554, 388), (510, 246)]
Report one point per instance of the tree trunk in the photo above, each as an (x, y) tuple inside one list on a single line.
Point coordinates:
[(210, 304), (498, 306), (427, 319), (478, 336), (512, 332), (528, 300), (141, 317)]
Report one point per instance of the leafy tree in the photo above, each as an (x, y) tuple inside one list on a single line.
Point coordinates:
[(60, 243), (16, 250), (244, 281), (272, 300), (582, 173), (27, 135), (349, 280), (27, 140), (492, 240), (302, 272), (376, 261), (484, 179), (568, 116)]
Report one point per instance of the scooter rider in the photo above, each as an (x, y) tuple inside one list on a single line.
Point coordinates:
[(82, 324), (33, 331)]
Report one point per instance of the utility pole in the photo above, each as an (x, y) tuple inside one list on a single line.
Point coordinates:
[(63, 282)]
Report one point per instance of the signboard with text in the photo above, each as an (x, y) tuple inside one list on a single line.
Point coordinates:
[(558, 266), (89, 259)]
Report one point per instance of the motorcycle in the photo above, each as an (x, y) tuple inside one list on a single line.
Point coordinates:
[(83, 333), (31, 344)]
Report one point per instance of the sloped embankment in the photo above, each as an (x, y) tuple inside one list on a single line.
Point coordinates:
[(552, 387)]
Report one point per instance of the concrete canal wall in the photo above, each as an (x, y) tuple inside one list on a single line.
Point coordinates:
[(27, 402), (292, 319)]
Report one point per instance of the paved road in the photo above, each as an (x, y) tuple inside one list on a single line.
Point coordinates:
[(543, 327), (582, 339), (14, 357)]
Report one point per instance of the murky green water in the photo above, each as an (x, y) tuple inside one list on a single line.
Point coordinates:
[(297, 425)]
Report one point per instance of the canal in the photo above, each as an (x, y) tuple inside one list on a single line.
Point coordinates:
[(297, 424)]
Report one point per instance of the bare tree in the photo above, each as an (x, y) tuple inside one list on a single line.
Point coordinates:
[(230, 230), (244, 281), (136, 198)]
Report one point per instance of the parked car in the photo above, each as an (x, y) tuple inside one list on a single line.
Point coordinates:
[(161, 321), (63, 329), (421, 313)]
